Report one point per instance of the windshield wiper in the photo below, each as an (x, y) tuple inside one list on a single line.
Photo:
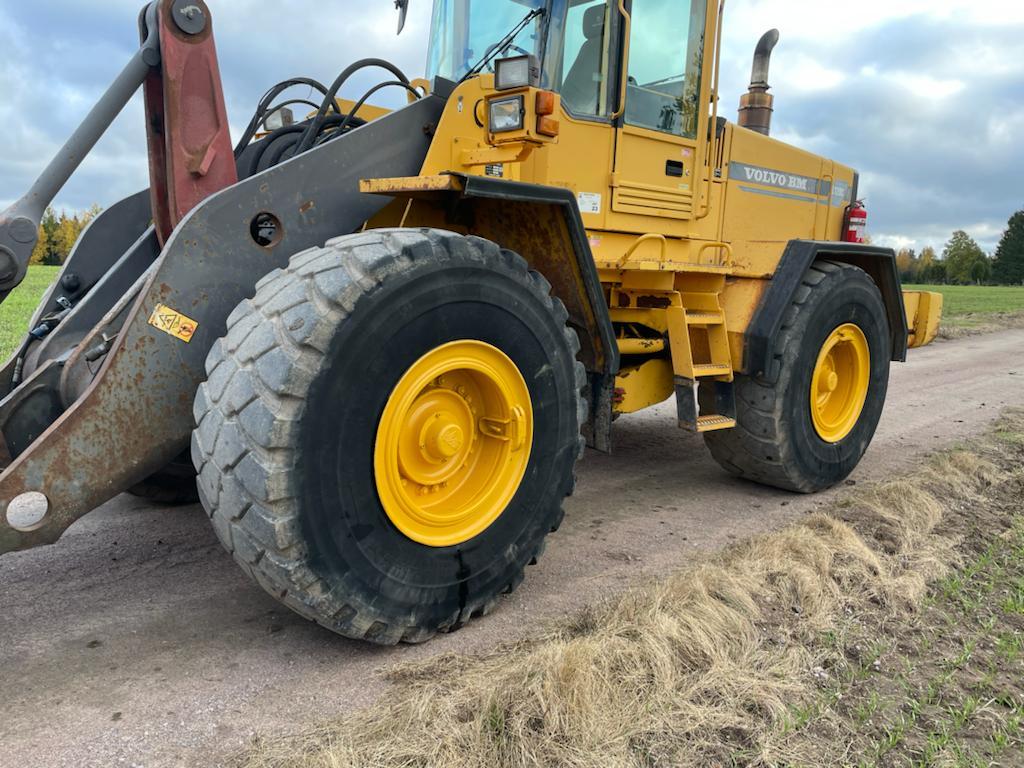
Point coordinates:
[(504, 43)]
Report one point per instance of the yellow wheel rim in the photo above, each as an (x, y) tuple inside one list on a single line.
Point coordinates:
[(453, 443), (839, 387)]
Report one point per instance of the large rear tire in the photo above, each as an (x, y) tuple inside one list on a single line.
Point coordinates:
[(835, 343), (336, 402)]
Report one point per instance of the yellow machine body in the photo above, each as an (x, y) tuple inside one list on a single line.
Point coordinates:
[(683, 260)]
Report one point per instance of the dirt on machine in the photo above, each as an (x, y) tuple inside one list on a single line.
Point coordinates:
[(374, 342)]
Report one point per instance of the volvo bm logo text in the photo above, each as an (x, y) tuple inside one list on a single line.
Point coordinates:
[(772, 178)]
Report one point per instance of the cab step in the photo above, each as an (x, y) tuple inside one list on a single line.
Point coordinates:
[(705, 406), (699, 337), (711, 369), (714, 423), (704, 319)]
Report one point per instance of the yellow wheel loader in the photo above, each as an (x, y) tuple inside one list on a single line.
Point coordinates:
[(382, 338)]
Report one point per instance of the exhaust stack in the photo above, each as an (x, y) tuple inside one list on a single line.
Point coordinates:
[(757, 105)]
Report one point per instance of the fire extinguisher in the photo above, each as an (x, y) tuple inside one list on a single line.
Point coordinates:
[(856, 225)]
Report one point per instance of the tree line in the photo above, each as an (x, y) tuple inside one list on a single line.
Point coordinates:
[(58, 234), (963, 262)]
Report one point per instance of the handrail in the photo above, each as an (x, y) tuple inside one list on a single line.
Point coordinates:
[(718, 245), (713, 144), (640, 241), (627, 28)]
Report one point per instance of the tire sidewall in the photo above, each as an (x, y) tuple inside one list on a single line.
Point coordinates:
[(848, 296), (350, 537)]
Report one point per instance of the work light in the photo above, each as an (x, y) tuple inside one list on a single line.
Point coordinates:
[(507, 114), (516, 72)]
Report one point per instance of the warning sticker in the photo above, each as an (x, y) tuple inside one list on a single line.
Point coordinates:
[(173, 323), (589, 202)]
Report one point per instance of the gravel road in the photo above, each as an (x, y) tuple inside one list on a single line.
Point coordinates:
[(135, 641)]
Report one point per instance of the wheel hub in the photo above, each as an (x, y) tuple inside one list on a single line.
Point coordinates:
[(839, 385), (453, 443)]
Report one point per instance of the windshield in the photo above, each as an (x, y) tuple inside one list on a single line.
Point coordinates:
[(464, 31)]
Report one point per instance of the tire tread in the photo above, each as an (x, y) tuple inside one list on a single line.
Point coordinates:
[(262, 368)]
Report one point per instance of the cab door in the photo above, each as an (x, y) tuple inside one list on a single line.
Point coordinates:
[(659, 157)]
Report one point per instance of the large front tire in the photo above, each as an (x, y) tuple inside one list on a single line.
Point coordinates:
[(294, 435), (808, 430)]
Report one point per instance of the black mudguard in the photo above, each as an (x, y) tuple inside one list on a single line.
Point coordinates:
[(879, 263)]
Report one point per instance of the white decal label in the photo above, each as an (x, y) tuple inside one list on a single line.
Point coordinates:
[(778, 179), (589, 202)]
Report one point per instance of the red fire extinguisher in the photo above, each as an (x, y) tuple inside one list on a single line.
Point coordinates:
[(856, 223)]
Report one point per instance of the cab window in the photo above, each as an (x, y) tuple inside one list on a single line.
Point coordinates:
[(462, 32), (585, 60), (665, 58)]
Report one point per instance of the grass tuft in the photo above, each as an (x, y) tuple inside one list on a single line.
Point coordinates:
[(17, 310)]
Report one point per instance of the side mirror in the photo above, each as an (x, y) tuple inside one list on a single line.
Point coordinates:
[(403, 10)]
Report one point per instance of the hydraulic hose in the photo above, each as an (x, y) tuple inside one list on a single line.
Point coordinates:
[(330, 99)]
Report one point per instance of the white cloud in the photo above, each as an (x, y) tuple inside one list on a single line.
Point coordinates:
[(805, 74), (924, 86), (814, 19), (1006, 130)]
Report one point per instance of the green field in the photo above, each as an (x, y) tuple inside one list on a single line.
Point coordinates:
[(16, 312), (963, 300)]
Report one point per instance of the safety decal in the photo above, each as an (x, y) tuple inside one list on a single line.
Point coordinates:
[(173, 323), (589, 202)]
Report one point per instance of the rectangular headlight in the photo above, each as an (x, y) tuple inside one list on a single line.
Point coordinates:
[(516, 72), (507, 114)]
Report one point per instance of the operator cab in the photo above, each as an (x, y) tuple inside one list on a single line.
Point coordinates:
[(578, 46)]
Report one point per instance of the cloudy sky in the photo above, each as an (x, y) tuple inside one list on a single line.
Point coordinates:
[(924, 97)]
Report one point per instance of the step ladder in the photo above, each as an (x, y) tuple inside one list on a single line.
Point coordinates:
[(704, 377)]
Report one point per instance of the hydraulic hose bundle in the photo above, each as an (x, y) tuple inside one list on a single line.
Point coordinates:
[(327, 124)]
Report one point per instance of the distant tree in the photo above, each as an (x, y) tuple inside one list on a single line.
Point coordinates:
[(68, 228), (964, 259), (929, 268), (49, 225), (94, 210), (908, 265), (981, 271), (42, 248), (1008, 267), (59, 233)]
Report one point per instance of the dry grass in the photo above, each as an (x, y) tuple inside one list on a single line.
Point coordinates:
[(961, 327), (703, 668)]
